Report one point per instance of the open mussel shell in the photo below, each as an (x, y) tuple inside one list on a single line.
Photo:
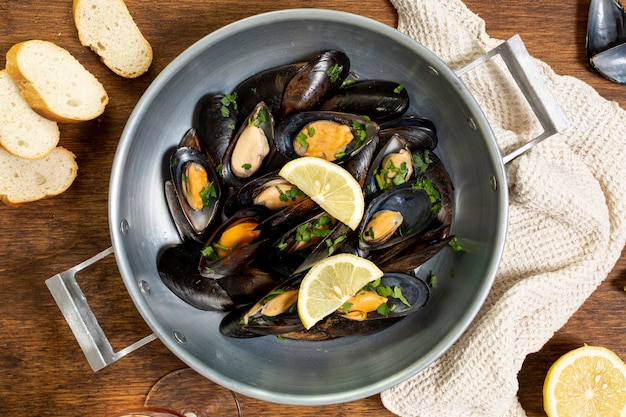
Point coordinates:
[(250, 153), (395, 215), (314, 82), (357, 131), (379, 100), (271, 191), (177, 266), (234, 244), (255, 320), (215, 118), (196, 184), (418, 132)]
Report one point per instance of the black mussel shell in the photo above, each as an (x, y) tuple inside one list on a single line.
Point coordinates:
[(413, 204), (249, 156), (215, 119), (177, 266), (266, 86), (217, 267), (207, 202), (314, 82), (363, 130), (377, 99)]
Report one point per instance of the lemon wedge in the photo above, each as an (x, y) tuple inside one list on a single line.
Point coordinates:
[(588, 381), (329, 185)]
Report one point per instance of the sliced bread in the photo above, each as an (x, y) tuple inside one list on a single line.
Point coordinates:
[(24, 180), (108, 28), (54, 83), (23, 132)]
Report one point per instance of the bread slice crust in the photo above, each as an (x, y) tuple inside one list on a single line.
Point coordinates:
[(54, 83), (108, 28), (26, 180)]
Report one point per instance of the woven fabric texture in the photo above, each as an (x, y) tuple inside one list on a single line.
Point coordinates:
[(566, 226)]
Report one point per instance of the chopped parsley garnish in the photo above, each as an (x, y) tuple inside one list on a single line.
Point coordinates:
[(422, 160), (426, 184), (431, 280), (227, 101), (291, 194), (246, 166), (454, 244), (334, 72), (361, 133), (398, 89), (208, 192)]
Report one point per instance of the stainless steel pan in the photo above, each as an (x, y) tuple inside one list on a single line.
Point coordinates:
[(307, 372)]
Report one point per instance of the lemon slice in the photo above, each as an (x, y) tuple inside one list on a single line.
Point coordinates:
[(329, 185), (588, 381), (330, 283)]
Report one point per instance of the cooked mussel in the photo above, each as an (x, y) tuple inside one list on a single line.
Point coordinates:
[(273, 314), (395, 215), (234, 244), (271, 191), (377, 99), (324, 134), (196, 183), (250, 152), (314, 82)]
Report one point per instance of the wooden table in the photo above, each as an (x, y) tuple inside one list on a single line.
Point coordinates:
[(44, 372)]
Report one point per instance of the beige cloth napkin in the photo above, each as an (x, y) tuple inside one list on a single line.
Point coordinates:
[(567, 223)]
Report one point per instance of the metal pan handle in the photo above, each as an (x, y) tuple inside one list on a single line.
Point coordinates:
[(79, 316), (525, 73)]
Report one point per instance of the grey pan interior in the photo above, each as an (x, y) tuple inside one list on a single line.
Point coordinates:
[(295, 372)]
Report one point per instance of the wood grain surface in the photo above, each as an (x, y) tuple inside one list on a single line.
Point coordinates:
[(43, 370)]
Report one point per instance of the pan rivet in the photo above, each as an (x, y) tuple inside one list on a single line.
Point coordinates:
[(144, 287), (433, 71), (493, 182), (124, 226), (180, 338), (471, 123)]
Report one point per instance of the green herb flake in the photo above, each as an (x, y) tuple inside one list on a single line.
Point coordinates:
[(422, 160), (398, 89), (431, 280), (334, 72), (246, 166), (229, 100), (345, 308), (454, 244), (302, 139)]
